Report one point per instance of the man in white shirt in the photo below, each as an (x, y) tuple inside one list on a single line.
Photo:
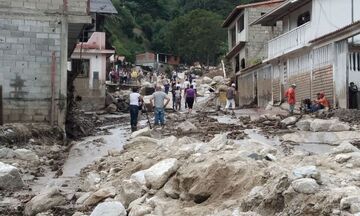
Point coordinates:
[(186, 84), (136, 101)]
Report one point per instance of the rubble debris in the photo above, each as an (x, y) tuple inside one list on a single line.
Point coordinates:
[(305, 185), (46, 200), (157, 175), (109, 209), (10, 178)]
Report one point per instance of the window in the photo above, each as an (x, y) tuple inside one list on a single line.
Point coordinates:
[(303, 18), (241, 23), (233, 37), (81, 67), (237, 63), (243, 64)]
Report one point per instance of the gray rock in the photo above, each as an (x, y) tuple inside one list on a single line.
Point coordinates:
[(307, 172), (270, 157), (343, 148), (130, 190), (27, 155), (342, 158), (305, 186), (288, 121), (91, 182), (157, 175), (171, 188), (6, 153), (139, 177), (44, 201), (351, 203), (142, 132), (304, 125), (83, 197), (109, 209), (186, 127), (10, 178), (331, 125), (100, 195)]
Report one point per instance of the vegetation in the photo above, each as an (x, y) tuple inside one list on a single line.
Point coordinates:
[(188, 28)]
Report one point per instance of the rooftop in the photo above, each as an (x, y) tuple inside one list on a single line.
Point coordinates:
[(102, 6), (279, 12), (238, 9)]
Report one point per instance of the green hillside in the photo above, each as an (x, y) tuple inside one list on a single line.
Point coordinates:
[(188, 28)]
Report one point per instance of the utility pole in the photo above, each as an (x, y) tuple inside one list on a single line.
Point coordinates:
[(352, 17)]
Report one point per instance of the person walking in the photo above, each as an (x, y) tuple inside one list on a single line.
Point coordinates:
[(157, 101), (290, 95), (190, 98), (185, 89), (230, 98), (135, 102), (178, 99)]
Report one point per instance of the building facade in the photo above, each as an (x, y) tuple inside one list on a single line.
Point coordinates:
[(89, 59), (36, 39), (157, 61), (318, 50)]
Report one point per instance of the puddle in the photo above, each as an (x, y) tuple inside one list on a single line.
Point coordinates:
[(91, 149)]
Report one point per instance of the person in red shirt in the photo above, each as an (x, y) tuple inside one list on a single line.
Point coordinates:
[(291, 98)]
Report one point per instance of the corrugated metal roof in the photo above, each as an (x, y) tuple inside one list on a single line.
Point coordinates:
[(238, 9), (102, 6)]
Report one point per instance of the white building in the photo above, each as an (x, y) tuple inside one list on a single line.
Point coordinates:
[(318, 49)]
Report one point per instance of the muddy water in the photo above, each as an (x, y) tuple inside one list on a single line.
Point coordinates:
[(255, 135), (93, 148)]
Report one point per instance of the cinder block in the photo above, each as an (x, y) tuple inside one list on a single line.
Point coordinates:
[(38, 118), (42, 35), (24, 28), (11, 40), (30, 5), (24, 40), (42, 6), (14, 117), (26, 118)]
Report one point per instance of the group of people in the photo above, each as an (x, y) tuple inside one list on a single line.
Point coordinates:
[(320, 103), (125, 75), (159, 100)]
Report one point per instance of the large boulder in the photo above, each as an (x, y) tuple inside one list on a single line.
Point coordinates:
[(130, 190), (343, 148), (6, 153), (206, 80), (305, 186), (289, 121), (331, 125), (10, 178), (44, 201), (141, 140), (139, 177), (100, 195), (351, 203), (27, 155), (219, 141), (304, 125), (218, 79), (307, 172), (109, 209), (91, 182), (146, 132), (171, 188), (186, 127), (157, 175)]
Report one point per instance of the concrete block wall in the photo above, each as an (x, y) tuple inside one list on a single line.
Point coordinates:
[(258, 36), (26, 48), (71, 6)]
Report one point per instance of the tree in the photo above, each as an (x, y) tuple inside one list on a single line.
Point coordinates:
[(196, 36)]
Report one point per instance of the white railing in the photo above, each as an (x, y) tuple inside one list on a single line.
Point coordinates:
[(290, 40)]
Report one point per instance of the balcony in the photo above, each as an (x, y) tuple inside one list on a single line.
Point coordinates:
[(291, 40)]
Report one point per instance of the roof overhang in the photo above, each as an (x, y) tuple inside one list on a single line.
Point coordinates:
[(338, 35), (235, 50), (102, 7), (239, 8), (270, 18)]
